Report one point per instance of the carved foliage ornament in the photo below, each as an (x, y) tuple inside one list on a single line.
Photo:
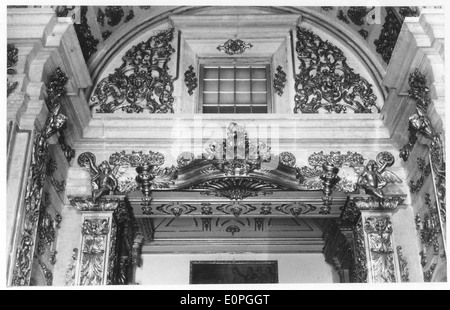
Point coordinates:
[(36, 178), (404, 271), (379, 234), (12, 60), (359, 272), (388, 36), (142, 82), (190, 80), (234, 47), (326, 81), (87, 41), (94, 231), (279, 82)]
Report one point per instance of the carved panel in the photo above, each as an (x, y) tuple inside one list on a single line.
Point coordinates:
[(326, 81), (380, 244), (93, 251), (234, 47), (142, 82)]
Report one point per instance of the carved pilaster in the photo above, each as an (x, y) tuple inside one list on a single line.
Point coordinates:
[(98, 253)]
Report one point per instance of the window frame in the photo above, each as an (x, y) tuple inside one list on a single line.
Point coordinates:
[(235, 61)]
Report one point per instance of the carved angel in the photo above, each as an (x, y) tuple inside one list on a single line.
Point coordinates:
[(373, 177), (103, 177)]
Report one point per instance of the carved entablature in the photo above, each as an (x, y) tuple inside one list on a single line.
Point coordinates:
[(142, 82), (326, 82)]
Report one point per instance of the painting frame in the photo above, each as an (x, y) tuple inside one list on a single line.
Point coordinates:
[(233, 272)]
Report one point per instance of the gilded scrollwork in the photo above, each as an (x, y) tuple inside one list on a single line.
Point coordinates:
[(190, 80), (36, 179), (279, 81), (380, 243), (142, 82), (234, 47), (326, 82)]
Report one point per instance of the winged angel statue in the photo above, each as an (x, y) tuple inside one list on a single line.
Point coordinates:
[(374, 176), (103, 177)]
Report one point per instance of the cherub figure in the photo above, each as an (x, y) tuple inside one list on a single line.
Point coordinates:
[(374, 177), (104, 178)]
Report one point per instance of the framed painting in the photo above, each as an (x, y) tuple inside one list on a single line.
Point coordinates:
[(233, 272)]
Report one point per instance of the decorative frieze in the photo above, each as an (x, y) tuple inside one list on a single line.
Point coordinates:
[(371, 203), (142, 82), (381, 251), (135, 159), (325, 81), (234, 47), (190, 80)]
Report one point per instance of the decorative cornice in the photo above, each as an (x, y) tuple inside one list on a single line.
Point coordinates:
[(325, 81), (234, 47)]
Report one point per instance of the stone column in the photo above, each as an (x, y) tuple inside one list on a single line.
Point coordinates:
[(375, 232)]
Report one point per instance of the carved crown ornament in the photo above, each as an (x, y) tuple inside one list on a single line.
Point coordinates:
[(142, 82), (326, 82)]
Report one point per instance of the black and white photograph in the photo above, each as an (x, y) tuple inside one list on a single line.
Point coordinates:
[(227, 145)]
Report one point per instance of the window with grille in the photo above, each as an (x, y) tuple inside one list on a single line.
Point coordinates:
[(235, 89)]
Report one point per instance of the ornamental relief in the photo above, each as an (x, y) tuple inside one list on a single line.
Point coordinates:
[(142, 82)]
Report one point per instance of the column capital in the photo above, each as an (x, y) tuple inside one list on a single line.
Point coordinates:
[(106, 203), (370, 203)]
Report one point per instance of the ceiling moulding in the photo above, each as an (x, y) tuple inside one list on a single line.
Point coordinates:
[(257, 26)]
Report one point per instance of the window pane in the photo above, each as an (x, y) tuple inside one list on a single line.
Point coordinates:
[(227, 86), (226, 73), (242, 73), (259, 98), (243, 86), (259, 109), (258, 85), (258, 73), (210, 86), (242, 98), (226, 98), (212, 109), (210, 98), (226, 109), (211, 73), (244, 109)]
